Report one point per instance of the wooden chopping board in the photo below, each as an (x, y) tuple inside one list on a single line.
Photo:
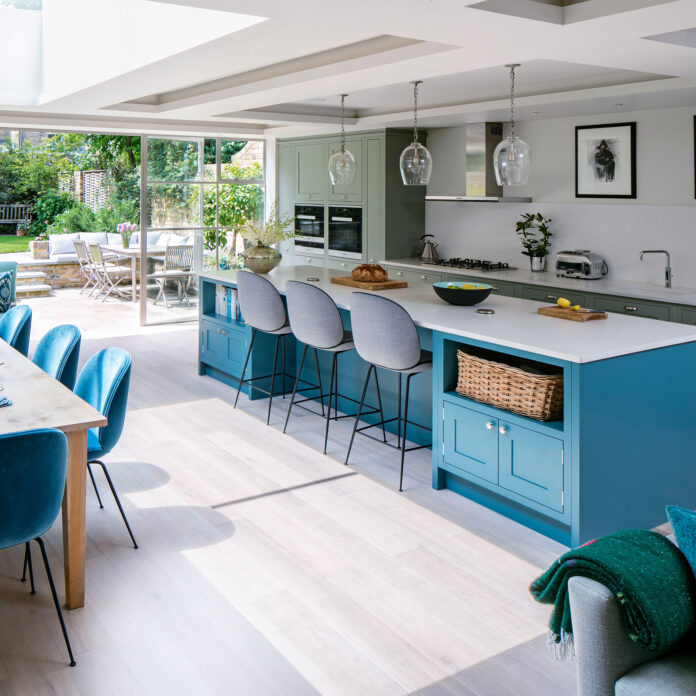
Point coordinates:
[(367, 285), (571, 314)]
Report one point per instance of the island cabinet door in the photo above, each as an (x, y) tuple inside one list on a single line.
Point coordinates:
[(471, 442), (532, 465)]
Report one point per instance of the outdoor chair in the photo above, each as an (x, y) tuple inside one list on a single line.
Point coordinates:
[(177, 267), (87, 266), (109, 272)]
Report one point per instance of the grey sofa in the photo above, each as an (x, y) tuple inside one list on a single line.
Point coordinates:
[(608, 662)]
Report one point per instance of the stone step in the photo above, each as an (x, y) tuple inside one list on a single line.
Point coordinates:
[(30, 277), (33, 290)]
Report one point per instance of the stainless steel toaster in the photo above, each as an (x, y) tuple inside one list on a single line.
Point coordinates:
[(580, 263)]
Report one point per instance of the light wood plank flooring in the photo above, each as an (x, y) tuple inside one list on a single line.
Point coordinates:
[(268, 568)]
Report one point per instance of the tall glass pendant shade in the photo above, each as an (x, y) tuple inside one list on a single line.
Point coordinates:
[(342, 165), (415, 163), (512, 159)]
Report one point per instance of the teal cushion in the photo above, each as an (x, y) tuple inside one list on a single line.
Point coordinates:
[(5, 291), (683, 523)]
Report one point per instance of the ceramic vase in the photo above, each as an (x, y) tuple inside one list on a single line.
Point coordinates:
[(261, 258)]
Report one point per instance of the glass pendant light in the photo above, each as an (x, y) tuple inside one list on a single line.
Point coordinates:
[(512, 158), (416, 163), (342, 165)]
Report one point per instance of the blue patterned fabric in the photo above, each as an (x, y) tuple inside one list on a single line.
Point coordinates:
[(15, 327), (5, 291), (32, 479), (9, 267), (58, 352), (683, 523)]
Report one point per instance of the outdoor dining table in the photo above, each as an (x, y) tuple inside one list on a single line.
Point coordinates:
[(134, 254), (39, 401)]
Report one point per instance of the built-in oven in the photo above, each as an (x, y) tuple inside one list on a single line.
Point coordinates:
[(346, 232), (310, 237)]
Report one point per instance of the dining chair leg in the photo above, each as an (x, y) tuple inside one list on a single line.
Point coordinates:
[(403, 440), (273, 374), (40, 542), (357, 415), (94, 483), (246, 361), (379, 404), (398, 413), (331, 393), (294, 389), (116, 498), (27, 564), (316, 362)]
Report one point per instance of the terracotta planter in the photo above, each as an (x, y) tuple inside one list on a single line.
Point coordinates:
[(39, 250)]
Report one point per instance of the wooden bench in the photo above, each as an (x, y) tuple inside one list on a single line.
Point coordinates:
[(15, 214)]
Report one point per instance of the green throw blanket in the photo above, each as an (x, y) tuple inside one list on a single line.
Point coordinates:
[(647, 574)]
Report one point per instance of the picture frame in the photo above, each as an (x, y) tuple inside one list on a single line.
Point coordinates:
[(605, 160)]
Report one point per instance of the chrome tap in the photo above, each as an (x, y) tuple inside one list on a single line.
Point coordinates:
[(668, 267)]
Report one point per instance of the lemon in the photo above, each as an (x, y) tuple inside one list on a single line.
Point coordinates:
[(576, 308), (468, 286), (451, 287), (562, 302)]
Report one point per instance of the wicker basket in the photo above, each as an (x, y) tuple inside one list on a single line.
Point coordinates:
[(510, 387)]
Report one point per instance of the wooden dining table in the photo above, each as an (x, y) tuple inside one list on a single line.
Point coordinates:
[(39, 401), (133, 253)]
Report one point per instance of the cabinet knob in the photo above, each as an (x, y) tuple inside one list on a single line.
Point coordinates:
[(425, 277), (222, 331), (309, 260), (552, 297), (344, 197), (503, 429), (630, 308), (399, 273), (372, 260), (308, 195), (344, 264), (495, 288), (490, 425)]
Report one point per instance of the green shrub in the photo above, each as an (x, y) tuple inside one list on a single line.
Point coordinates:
[(115, 212), (79, 218), (47, 208)]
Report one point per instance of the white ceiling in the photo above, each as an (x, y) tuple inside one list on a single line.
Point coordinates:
[(274, 67)]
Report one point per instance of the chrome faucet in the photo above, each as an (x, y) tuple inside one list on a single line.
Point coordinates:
[(668, 267)]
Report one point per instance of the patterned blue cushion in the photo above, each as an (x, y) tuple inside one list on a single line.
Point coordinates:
[(683, 523), (5, 291)]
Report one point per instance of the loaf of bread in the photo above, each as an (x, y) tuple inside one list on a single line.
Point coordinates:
[(369, 273)]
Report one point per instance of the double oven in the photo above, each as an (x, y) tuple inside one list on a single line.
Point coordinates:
[(338, 229)]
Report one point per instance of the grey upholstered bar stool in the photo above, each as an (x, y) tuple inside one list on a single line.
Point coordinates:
[(386, 337), (316, 322), (263, 310)]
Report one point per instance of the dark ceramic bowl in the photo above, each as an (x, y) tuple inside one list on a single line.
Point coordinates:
[(462, 296)]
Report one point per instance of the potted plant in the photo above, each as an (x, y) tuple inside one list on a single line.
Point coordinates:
[(259, 255), (535, 233), (126, 229), (22, 229), (38, 247)]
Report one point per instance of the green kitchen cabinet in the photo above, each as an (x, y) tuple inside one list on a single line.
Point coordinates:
[(415, 277), (505, 289), (348, 193), (547, 294), (285, 163), (687, 315), (627, 305), (311, 172)]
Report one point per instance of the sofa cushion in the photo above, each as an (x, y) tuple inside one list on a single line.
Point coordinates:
[(93, 237), (683, 523), (669, 676), (62, 243), (5, 291), (114, 239)]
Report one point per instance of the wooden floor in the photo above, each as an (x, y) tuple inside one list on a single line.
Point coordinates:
[(268, 568)]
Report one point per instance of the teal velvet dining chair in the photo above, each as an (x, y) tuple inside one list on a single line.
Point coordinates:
[(15, 327), (103, 383), (57, 353), (32, 480)]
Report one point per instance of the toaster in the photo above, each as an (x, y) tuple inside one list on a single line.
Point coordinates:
[(580, 263)]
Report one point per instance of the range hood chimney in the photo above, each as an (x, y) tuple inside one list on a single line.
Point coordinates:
[(481, 141)]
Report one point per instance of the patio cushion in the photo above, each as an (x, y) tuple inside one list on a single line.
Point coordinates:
[(5, 291), (93, 237), (62, 244), (114, 239), (64, 258)]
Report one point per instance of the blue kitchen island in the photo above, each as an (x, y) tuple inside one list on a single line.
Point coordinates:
[(622, 450)]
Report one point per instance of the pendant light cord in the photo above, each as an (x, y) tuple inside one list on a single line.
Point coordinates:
[(512, 67), (415, 112), (343, 130)]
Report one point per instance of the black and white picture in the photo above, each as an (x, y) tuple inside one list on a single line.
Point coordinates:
[(605, 161)]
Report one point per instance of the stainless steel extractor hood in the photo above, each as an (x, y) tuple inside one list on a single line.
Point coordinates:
[(481, 141)]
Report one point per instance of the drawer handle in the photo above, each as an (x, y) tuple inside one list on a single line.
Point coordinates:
[(222, 331), (308, 195), (503, 429), (425, 277), (630, 308), (344, 197), (399, 273), (552, 297), (495, 288), (490, 425), (343, 265)]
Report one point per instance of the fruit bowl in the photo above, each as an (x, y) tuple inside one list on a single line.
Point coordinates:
[(464, 294)]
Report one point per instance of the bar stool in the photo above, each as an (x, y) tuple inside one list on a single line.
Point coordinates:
[(263, 310), (386, 337), (316, 322)]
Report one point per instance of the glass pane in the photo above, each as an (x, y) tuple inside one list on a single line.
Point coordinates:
[(173, 205), (174, 160), (241, 159), (209, 159)]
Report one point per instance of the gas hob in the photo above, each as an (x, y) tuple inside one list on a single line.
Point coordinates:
[(472, 264)]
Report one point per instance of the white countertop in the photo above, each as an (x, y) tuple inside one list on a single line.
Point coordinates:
[(601, 286), (515, 323)]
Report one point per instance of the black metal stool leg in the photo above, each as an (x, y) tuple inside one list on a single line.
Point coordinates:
[(273, 374), (282, 359), (403, 441), (316, 362), (379, 404), (336, 391), (118, 502), (398, 414), (27, 564), (331, 387), (357, 415), (294, 390), (40, 542), (94, 483), (246, 360)]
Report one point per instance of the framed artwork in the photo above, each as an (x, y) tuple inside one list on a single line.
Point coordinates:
[(605, 161)]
